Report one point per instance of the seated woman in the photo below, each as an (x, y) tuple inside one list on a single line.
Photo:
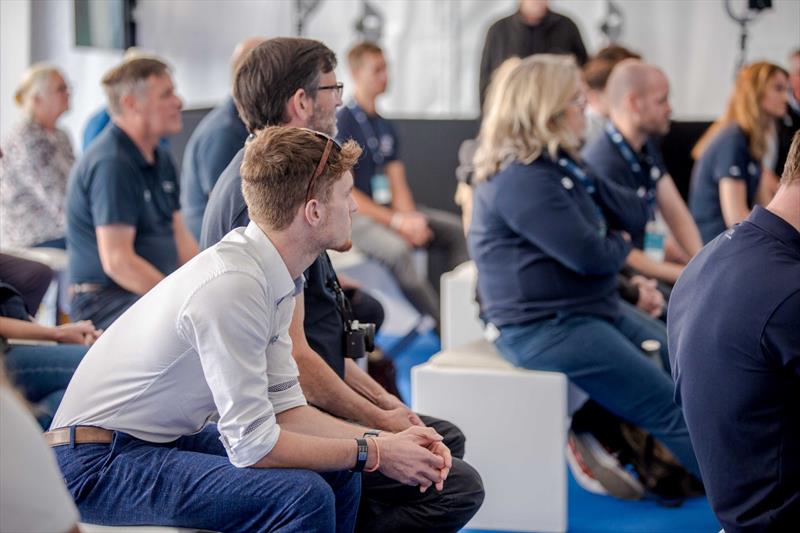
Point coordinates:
[(37, 158), (726, 177), (40, 371), (548, 241)]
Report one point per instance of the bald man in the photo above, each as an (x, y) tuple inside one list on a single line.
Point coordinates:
[(629, 154), (217, 138)]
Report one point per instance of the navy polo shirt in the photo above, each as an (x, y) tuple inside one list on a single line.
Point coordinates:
[(603, 156), (218, 137), (113, 184), (734, 346), (536, 242), (726, 156), (323, 323), (377, 138)]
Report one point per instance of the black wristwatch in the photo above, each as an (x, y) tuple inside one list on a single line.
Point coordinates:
[(361, 458), (372, 433)]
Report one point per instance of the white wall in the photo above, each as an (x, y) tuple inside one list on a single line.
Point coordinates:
[(15, 46), (433, 46)]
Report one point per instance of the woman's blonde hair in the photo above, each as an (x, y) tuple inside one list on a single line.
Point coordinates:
[(524, 114), (34, 81), (744, 109)]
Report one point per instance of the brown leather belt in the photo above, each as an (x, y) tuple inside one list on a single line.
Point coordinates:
[(83, 435)]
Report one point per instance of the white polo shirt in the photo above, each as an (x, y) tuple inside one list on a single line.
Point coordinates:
[(210, 341)]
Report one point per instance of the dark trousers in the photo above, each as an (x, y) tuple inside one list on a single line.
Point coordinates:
[(389, 506), (30, 278)]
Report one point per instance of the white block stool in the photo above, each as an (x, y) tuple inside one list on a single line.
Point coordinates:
[(516, 424)]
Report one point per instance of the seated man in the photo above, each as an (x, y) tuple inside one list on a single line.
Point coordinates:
[(124, 228), (214, 142), (595, 73), (309, 95), (390, 226), (146, 391), (638, 98), (734, 339)]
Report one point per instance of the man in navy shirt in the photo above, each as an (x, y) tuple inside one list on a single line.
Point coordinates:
[(124, 228), (389, 225), (628, 153), (734, 342), (296, 78), (214, 142)]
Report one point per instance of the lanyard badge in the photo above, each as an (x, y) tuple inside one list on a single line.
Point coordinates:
[(571, 168), (647, 189)]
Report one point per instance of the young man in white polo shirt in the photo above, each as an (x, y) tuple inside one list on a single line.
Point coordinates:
[(211, 342)]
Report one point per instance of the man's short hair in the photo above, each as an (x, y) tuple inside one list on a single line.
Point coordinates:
[(356, 54), (616, 53), (277, 169), (128, 77), (272, 72), (791, 169)]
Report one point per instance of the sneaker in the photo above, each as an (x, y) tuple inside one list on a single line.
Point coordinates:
[(598, 471)]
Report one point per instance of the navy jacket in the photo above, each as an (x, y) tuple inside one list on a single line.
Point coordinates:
[(536, 241)]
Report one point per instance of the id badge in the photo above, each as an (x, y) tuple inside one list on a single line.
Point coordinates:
[(381, 193)]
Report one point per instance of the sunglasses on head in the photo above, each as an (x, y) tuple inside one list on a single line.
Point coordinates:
[(330, 142)]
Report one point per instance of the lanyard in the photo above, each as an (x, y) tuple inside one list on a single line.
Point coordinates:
[(369, 132), (647, 189), (571, 168)]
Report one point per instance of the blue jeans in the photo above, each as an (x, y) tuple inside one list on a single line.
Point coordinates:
[(191, 483), (603, 358), (42, 373), (103, 306)]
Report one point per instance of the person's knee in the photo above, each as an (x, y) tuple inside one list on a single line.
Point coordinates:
[(312, 505), (463, 492)]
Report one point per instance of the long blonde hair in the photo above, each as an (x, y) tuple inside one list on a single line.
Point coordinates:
[(523, 117), (34, 81), (744, 109)]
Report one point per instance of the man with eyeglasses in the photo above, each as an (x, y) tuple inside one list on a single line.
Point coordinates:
[(132, 435), (291, 81)]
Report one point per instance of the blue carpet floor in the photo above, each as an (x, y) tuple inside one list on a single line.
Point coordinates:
[(588, 513)]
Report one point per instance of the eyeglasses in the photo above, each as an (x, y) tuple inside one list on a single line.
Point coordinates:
[(336, 88), (330, 142)]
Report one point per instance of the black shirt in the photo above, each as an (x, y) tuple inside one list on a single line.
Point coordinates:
[(114, 184), (510, 36), (323, 324), (734, 343)]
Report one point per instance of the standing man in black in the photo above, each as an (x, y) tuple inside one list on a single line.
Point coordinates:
[(533, 29), (288, 81)]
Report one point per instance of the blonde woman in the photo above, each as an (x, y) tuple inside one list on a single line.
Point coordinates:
[(37, 158), (726, 177), (548, 241)]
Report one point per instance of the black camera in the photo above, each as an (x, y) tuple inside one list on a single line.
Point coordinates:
[(359, 339)]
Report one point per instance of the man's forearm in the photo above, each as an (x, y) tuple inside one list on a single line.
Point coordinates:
[(362, 383), (664, 271), (184, 241), (327, 391), (134, 274), (308, 420)]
